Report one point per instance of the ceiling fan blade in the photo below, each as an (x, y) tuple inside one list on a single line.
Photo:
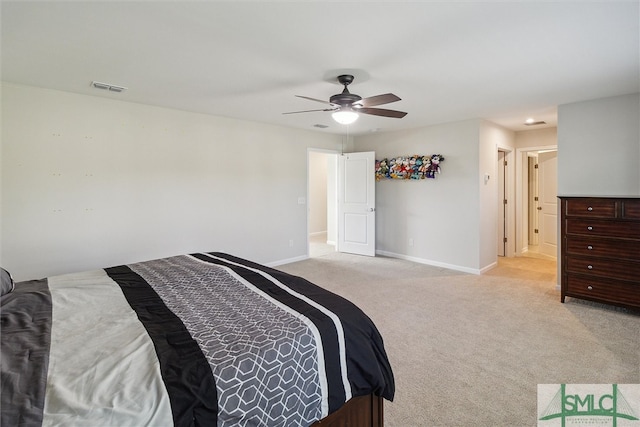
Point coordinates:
[(314, 99), (309, 111), (382, 112), (371, 101)]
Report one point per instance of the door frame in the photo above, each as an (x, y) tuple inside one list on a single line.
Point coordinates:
[(502, 212), (509, 193), (522, 195)]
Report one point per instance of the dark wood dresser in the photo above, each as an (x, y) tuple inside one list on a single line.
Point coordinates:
[(600, 255)]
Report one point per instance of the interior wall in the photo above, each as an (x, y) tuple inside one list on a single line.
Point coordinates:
[(323, 206), (332, 199), (441, 216), (90, 182), (536, 138), (491, 138), (317, 192), (599, 147)]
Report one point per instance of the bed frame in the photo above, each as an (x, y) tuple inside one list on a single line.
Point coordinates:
[(363, 411)]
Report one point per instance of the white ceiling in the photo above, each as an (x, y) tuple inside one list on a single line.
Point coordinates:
[(448, 61)]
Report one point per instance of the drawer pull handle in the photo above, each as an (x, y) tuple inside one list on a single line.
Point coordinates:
[(590, 247), (589, 208), (590, 287), (590, 228), (590, 267)]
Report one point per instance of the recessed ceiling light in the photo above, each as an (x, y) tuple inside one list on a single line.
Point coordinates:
[(531, 122), (108, 86)]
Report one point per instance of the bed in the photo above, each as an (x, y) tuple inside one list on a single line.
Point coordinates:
[(192, 340)]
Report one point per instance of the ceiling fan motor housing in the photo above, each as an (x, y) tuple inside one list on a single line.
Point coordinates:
[(345, 98)]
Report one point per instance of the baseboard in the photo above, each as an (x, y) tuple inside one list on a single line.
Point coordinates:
[(286, 261), (399, 256), (489, 267), (434, 263)]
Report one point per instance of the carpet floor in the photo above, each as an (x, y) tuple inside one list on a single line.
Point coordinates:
[(470, 350)]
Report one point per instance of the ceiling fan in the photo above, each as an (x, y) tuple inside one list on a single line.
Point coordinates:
[(347, 105)]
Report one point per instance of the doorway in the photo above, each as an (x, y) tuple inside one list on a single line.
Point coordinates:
[(539, 209), (322, 202)]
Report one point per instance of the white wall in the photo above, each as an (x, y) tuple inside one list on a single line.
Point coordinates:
[(536, 138), (89, 182), (332, 199), (441, 215), (599, 147), (323, 193), (491, 138), (452, 219), (317, 192)]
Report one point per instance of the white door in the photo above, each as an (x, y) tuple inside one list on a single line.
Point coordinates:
[(547, 185), (357, 203)]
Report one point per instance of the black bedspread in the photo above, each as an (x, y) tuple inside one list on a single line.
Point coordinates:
[(190, 340)]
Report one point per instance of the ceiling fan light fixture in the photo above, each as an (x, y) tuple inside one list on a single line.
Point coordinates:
[(345, 117)]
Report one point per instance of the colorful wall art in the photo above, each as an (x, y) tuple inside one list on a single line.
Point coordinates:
[(412, 167)]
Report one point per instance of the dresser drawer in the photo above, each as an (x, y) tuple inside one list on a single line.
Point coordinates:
[(602, 247), (631, 209), (603, 289), (615, 269), (599, 227), (591, 208)]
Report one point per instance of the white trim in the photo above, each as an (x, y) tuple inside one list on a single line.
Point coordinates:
[(435, 263), (510, 195), (489, 267), (287, 261)]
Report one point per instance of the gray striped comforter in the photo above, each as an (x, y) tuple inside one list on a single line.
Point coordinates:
[(192, 340)]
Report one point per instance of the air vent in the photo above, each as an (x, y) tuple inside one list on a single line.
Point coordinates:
[(320, 126), (532, 123), (108, 86)]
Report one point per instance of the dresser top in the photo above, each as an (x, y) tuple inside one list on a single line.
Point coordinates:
[(591, 196)]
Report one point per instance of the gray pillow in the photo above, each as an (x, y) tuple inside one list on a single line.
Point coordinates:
[(6, 282)]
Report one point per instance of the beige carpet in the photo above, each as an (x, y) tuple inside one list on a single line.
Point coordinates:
[(470, 350)]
